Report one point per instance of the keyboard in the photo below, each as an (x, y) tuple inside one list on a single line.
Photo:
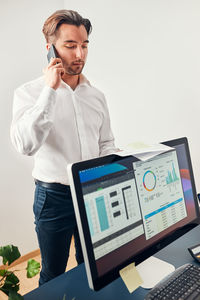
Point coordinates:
[(182, 284)]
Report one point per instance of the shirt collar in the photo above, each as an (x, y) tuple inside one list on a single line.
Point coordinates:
[(82, 81)]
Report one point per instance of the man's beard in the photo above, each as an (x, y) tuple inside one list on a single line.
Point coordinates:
[(74, 69)]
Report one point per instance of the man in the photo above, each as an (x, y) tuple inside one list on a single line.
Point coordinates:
[(60, 118)]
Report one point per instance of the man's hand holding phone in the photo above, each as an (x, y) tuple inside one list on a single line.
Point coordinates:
[(54, 72)]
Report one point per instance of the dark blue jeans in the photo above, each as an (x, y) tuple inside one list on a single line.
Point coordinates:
[(55, 224)]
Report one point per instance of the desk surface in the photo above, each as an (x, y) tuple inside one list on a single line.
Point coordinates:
[(75, 285)]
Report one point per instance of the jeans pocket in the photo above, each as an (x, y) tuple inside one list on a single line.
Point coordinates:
[(39, 201)]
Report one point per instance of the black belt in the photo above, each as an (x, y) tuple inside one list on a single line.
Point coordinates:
[(53, 185)]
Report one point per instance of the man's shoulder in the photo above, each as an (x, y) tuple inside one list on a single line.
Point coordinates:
[(32, 85), (97, 91), (94, 91), (91, 88)]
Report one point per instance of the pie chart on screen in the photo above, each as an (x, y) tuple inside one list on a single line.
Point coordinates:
[(149, 181)]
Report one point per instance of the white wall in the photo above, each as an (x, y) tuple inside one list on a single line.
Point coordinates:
[(144, 55), (22, 58)]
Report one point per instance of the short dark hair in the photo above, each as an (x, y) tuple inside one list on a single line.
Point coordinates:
[(60, 17)]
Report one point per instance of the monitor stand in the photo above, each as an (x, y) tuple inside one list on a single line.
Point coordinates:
[(153, 270)]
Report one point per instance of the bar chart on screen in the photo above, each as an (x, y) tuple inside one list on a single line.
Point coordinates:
[(107, 209)]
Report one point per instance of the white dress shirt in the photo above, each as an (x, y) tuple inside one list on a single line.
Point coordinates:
[(60, 126)]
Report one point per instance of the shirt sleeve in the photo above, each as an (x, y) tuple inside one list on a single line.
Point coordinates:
[(106, 139), (32, 119)]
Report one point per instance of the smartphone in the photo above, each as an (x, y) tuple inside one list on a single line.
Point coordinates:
[(52, 53)]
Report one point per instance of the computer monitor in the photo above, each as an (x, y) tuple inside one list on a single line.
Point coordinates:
[(127, 209)]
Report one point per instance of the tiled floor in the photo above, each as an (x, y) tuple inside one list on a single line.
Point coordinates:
[(28, 284)]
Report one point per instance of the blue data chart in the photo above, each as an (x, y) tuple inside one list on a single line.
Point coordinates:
[(172, 176), (102, 215), (88, 212)]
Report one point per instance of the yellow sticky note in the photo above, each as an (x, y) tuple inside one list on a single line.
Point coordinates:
[(131, 277)]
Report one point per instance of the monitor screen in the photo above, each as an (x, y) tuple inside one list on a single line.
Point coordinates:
[(127, 209)]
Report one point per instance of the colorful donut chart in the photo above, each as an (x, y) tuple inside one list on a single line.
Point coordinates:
[(153, 179)]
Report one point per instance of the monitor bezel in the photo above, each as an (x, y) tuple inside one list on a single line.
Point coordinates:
[(96, 282)]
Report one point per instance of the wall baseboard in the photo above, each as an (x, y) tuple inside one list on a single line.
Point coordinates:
[(23, 258)]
